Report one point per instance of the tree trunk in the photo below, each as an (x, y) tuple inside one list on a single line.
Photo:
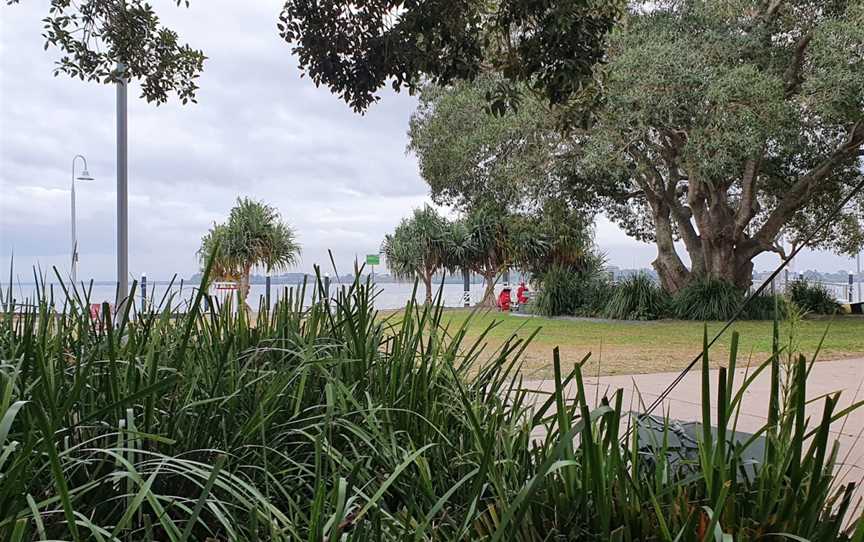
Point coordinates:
[(427, 282), (743, 277), (489, 291), (243, 288), (673, 274)]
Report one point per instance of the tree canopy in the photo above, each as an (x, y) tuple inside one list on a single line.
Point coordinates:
[(356, 48), (470, 158), (95, 36)]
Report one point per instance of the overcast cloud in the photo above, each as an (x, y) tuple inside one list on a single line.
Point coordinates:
[(341, 179)]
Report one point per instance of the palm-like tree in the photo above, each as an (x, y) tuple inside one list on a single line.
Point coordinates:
[(254, 235), (489, 227), (558, 236), (460, 250), (417, 248)]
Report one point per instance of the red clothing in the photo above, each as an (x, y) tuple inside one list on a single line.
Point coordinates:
[(504, 299), (520, 294)]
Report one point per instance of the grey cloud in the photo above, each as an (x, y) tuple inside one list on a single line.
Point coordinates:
[(258, 130)]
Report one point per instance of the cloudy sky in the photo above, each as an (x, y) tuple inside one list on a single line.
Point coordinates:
[(341, 179)]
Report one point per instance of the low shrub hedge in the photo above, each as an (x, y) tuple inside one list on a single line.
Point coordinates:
[(812, 297)]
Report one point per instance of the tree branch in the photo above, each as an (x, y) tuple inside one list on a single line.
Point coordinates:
[(747, 206), (771, 10), (792, 75), (796, 196)]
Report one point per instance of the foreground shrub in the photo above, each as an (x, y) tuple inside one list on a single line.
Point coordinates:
[(767, 306), (712, 299), (812, 297), (707, 299), (328, 422), (559, 293), (637, 298), (565, 291)]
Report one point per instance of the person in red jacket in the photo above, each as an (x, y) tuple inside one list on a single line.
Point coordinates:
[(504, 299), (522, 293)]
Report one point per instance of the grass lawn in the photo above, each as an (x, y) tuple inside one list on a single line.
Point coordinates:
[(627, 347)]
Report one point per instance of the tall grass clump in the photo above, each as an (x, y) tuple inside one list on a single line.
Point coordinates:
[(707, 299), (567, 291), (637, 298), (331, 422), (767, 306), (812, 297)]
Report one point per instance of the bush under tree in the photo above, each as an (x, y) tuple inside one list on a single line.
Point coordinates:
[(637, 297), (812, 297)]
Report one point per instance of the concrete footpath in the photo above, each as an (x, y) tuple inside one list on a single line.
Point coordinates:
[(684, 403)]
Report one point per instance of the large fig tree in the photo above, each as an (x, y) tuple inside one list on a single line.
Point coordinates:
[(727, 125)]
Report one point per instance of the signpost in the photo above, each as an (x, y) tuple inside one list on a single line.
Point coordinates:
[(372, 260)]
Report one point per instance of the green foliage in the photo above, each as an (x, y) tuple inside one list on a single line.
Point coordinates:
[(637, 298), (692, 131), (766, 306), (707, 299), (812, 297), (328, 421), (470, 158), (559, 293), (712, 299), (355, 52), (93, 36), (558, 235), (737, 120), (254, 235), (420, 246), (490, 228), (569, 291)]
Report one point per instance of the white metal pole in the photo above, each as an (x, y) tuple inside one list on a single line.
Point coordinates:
[(858, 278), (74, 270), (74, 235)]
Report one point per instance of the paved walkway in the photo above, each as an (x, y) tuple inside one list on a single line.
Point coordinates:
[(684, 403)]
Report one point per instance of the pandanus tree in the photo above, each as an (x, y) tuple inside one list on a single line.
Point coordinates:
[(460, 251), (558, 235), (253, 236), (417, 247), (489, 228)]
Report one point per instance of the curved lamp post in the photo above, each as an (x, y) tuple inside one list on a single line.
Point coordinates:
[(84, 176)]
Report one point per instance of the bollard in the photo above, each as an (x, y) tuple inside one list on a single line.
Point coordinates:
[(267, 292), (466, 281), (143, 292)]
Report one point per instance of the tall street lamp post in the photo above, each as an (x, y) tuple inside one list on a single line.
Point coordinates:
[(84, 176), (122, 192)]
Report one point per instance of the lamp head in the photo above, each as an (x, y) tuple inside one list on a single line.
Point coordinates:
[(85, 176)]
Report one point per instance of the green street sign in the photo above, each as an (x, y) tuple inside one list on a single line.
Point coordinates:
[(373, 259)]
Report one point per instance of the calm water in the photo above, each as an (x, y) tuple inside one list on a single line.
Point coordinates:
[(390, 295)]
